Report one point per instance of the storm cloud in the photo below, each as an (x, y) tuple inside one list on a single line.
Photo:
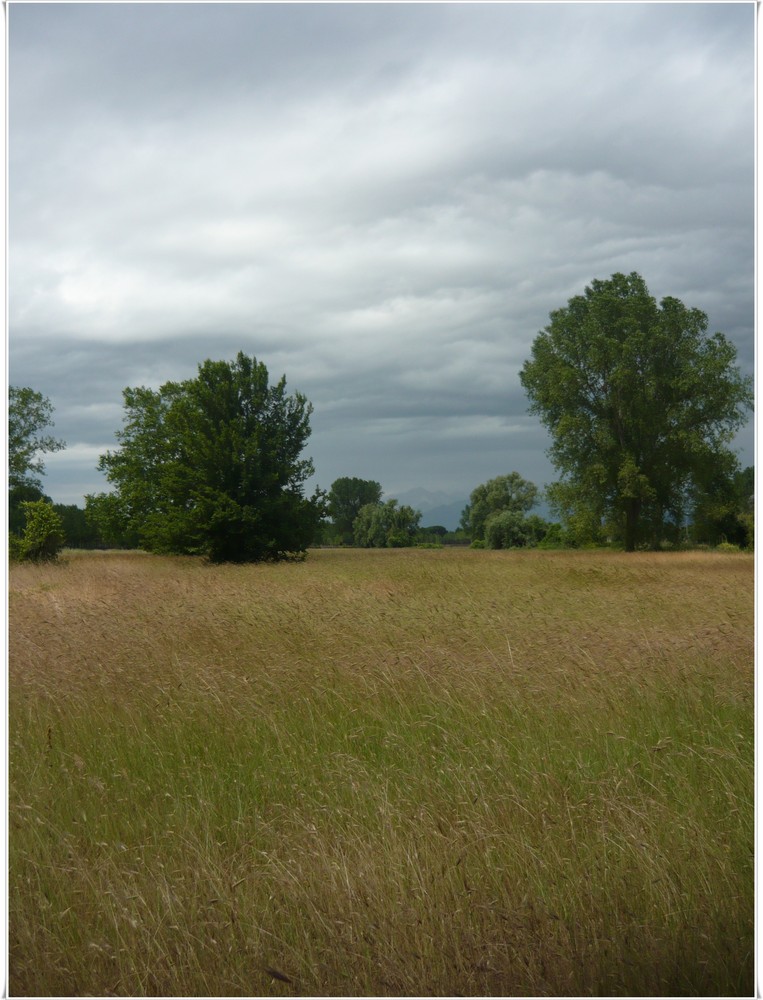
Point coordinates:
[(381, 201)]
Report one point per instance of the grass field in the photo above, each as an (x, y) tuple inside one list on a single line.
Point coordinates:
[(393, 772)]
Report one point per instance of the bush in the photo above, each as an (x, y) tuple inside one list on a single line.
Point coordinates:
[(15, 548), (386, 525), (556, 537), (748, 524), (398, 539), (43, 534), (727, 547), (510, 529)]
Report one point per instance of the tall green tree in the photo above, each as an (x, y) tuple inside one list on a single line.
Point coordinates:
[(641, 405), (386, 525), (504, 494), (345, 498), (29, 414), (213, 466)]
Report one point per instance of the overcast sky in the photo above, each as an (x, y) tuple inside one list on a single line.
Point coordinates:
[(381, 201)]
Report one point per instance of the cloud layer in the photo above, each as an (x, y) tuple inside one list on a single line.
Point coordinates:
[(383, 202)]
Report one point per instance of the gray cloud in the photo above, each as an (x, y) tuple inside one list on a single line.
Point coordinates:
[(384, 202)]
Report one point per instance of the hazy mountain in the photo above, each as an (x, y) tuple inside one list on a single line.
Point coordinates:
[(436, 506), (448, 515)]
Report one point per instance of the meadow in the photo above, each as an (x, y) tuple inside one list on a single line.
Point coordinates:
[(384, 772)]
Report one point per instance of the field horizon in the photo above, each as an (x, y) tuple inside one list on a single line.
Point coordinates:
[(382, 772)]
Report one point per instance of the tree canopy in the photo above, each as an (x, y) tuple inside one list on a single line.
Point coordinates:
[(386, 525), (29, 413), (510, 494), (641, 405), (345, 499), (212, 466)]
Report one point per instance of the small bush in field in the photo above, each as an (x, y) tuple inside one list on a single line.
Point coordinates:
[(43, 534), (727, 547)]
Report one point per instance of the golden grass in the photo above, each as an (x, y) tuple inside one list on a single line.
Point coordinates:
[(382, 772)]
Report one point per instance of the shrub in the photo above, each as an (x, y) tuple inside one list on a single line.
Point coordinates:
[(15, 548), (727, 547), (43, 533), (557, 537), (748, 524), (380, 525)]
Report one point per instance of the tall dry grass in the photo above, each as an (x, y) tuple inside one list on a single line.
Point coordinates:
[(382, 773)]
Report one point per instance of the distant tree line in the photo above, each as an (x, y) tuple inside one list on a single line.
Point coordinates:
[(640, 402)]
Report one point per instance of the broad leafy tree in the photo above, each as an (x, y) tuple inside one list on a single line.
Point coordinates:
[(511, 529), (29, 414), (510, 494), (213, 466), (641, 405), (345, 499), (386, 525)]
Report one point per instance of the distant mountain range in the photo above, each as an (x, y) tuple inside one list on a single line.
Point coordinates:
[(436, 506)]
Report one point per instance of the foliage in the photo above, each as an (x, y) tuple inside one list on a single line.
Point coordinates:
[(640, 403), (212, 466), (386, 525), (15, 548), (510, 494), (16, 514), (80, 533), (458, 537), (581, 525), (107, 514), (556, 536), (430, 537), (724, 506), (511, 529), (43, 533), (29, 413), (438, 530), (345, 499), (748, 524)]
